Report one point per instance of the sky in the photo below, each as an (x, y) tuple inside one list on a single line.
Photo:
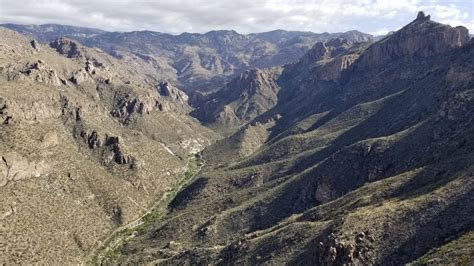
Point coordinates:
[(245, 16)]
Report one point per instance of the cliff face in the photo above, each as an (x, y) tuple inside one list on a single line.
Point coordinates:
[(420, 38), (326, 60)]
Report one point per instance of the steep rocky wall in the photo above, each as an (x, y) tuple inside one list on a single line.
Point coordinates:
[(422, 38)]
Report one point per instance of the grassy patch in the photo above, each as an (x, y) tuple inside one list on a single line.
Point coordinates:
[(457, 252)]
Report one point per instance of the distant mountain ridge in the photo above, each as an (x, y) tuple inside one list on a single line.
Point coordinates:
[(195, 61), (49, 32)]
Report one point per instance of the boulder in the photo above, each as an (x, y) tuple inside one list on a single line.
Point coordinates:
[(79, 76), (35, 45), (50, 139), (14, 167)]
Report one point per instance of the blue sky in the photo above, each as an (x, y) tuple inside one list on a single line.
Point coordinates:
[(245, 16)]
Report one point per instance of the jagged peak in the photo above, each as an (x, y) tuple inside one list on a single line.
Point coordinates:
[(420, 38), (422, 17)]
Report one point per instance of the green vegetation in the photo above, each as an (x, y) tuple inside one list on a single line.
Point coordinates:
[(456, 252), (112, 248)]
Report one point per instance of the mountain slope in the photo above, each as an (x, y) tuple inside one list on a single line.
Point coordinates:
[(244, 98), (370, 166), (87, 144)]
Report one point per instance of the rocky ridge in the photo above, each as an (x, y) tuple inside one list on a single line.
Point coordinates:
[(195, 61), (420, 38), (244, 98), (369, 166)]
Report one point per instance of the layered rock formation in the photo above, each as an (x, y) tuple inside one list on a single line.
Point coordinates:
[(327, 60)]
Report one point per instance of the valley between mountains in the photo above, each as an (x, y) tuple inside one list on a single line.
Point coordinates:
[(224, 148)]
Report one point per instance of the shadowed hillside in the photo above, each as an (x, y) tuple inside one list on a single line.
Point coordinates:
[(292, 148), (356, 163)]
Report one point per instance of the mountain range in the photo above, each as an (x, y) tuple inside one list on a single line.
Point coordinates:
[(292, 147), (193, 61)]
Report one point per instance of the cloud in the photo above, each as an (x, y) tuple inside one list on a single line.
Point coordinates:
[(244, 15)]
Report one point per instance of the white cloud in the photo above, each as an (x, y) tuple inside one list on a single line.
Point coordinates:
[(243, 15)]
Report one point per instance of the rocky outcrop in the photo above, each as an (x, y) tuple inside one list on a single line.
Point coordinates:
[(107, 146), (70, 110), (355, 251), (66, 47), (175, 99), (333, 69), (327, 60), (35, 45), (41, 72), (90, 68), (14, 166), (128, 104), (4, 116), (422, 17), (420, 38), (315, 53), (80, 76), (165, 98), (116, 151)]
